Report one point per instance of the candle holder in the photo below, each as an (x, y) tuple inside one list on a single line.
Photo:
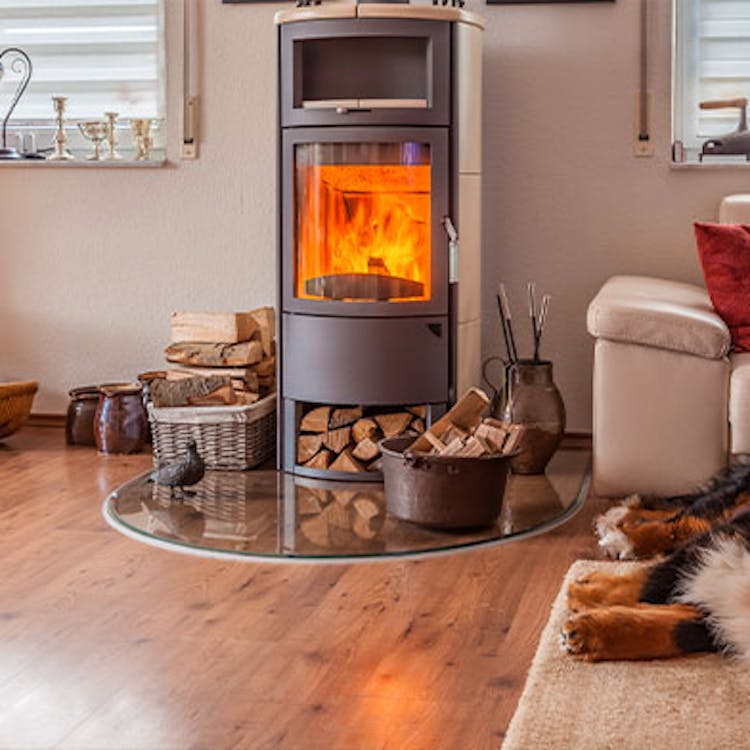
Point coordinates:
[(61, 152), (96, 132), (142, 138), (20, 64), (112, 154)]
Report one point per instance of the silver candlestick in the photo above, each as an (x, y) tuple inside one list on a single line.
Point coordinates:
[(61, 152), (112, 154)]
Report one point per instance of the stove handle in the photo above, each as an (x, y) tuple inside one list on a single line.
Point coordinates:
[(450, 230)]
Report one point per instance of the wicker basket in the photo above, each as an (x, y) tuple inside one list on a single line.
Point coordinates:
[(228, 437), (15, 405)]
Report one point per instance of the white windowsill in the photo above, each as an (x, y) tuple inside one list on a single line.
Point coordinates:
[(83, 163), (711, 165)]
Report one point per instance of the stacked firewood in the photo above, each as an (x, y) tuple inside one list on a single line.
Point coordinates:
[(463, 432), (346, 439), (218, 359)]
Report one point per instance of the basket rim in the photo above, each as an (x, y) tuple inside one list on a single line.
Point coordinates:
[(174, 413), (18, 388)]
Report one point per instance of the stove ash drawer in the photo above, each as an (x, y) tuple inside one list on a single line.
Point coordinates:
[(365, 360)]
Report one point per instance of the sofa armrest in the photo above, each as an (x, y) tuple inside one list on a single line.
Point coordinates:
[(659, 313)]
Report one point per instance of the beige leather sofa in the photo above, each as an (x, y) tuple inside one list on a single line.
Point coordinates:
[(670, 402)]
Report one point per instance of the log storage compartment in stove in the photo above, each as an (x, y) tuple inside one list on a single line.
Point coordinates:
[(379, 144)]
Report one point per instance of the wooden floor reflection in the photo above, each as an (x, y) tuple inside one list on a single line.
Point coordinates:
[(268, 513)]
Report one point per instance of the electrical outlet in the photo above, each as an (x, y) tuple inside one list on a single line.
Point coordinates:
[(643, 147)]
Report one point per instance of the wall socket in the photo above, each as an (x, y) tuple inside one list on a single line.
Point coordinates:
[(643, 147)]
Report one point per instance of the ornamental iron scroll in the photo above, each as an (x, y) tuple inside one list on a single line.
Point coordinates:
[(19, 63)]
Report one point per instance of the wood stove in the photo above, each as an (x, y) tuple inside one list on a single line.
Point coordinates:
[(380, 147)]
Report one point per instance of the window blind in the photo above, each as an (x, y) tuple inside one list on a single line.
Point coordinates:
[(712, 61), (104, 55)]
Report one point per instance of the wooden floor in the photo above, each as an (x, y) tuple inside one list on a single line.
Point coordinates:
[(108, 643)]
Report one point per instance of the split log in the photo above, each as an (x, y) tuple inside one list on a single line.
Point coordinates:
[(180, 392), (493, 435), (265, 318), (418, 411), (246, 398), (343, 417), (452, 432), (366, 450), (393, 424), (417, 425), (472, 448), (346, 462), (435, 442), (321, 460), (215, 328), (243, 377), (339, 439), (453, 448), (513, 441), (266, 367), (224, 396), (308, 446), (316, 420), (215, 355), (364, 428), (466, 414)]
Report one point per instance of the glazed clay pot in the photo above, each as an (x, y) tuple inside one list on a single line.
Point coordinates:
[(120, 424), (79, 421), (534, 401)]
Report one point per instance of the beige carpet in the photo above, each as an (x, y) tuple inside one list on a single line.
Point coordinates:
[(691, 702)]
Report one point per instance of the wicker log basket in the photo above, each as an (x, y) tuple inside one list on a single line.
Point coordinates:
[(228, 437), (15, 405)]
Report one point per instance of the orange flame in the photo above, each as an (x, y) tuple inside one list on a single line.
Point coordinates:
[(363, 219)]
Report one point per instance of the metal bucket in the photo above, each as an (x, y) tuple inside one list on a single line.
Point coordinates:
[(444, 492)]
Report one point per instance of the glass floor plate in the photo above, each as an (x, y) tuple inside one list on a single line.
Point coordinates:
[(273, 516)]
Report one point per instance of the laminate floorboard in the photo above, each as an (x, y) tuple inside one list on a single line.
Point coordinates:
[(108, 643)]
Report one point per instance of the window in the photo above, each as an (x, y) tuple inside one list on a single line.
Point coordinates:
[(103, 55), (711, 62)]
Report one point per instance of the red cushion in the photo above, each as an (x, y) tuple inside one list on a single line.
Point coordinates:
[(724, 250)]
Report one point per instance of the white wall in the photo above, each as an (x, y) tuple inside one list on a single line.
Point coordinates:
[(92, 262)]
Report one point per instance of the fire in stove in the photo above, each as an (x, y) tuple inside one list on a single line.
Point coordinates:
[(363, 231)]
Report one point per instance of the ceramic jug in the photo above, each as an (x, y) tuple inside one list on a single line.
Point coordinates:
[(120, 423), (533, 400)]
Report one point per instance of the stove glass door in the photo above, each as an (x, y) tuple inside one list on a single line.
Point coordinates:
[(363, 216)]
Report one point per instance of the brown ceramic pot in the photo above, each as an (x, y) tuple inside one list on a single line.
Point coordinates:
[(120, 423), (79, 421), (534, 401)]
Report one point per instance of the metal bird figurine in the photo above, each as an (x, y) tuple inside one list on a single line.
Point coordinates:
[(181, 473)]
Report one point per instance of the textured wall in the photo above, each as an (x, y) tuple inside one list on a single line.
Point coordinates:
[(93, 262)]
